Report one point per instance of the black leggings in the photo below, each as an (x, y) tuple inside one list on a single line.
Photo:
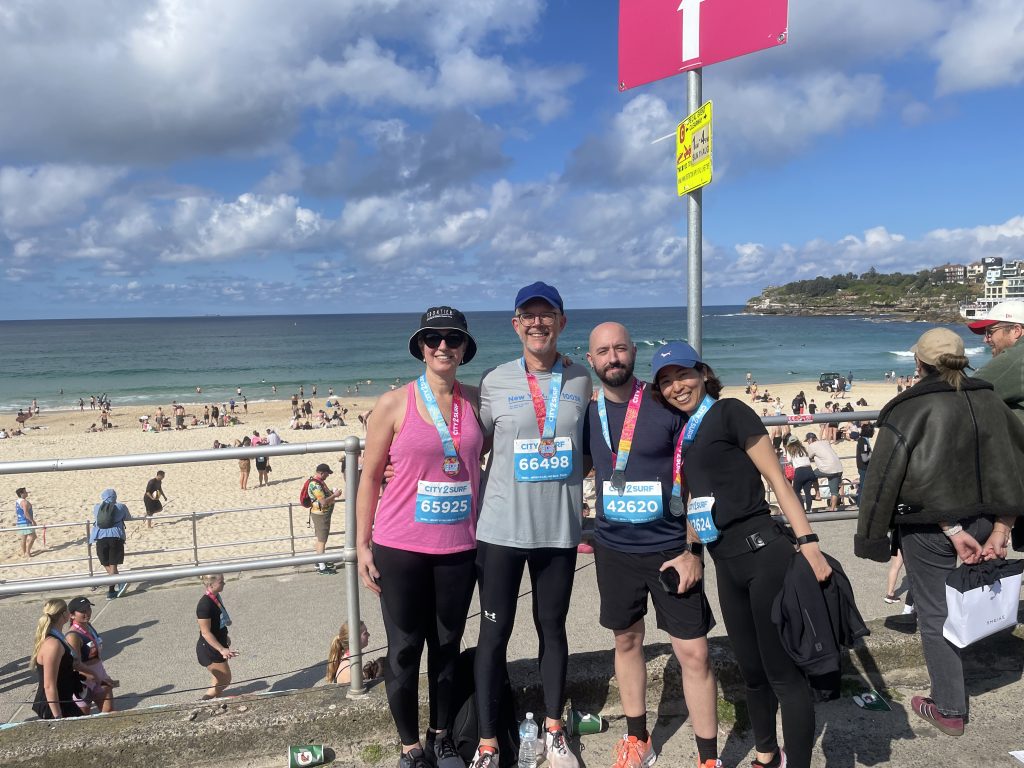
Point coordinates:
[(423, 598), (500, 570), (747, 586), (804, 482)]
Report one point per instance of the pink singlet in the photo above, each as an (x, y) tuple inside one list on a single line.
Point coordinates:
[(416, 454)]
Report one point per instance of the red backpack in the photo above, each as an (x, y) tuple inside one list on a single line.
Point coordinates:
[(304, 498)]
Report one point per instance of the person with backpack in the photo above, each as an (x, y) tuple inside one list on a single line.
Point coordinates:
[(319, 500), (416, 541), (108, 536)]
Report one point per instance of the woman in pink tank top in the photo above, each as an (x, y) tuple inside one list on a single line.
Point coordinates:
[(416, 542)]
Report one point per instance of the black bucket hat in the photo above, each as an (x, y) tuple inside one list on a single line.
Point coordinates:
[(443, 319)]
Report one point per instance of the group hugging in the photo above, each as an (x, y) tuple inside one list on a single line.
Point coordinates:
[(677, 471)]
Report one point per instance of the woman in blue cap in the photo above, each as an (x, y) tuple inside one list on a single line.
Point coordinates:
[(723, 456)]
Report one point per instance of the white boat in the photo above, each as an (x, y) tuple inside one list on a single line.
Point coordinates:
[(976, 309)]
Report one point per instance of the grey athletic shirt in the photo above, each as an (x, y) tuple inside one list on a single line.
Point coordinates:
[(530, 515)]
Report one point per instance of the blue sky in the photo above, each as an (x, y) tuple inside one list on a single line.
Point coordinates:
[(177, 157)]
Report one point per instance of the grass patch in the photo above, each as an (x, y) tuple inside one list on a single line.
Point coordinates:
[(733, 713), (372, 754)]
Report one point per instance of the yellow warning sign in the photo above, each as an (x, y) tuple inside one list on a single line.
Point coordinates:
[(693, 151)]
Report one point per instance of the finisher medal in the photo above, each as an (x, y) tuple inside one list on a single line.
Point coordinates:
[(676, 506), (546, 447), (618, 481), (450, 465)]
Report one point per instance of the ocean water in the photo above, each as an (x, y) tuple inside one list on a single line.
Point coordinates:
[(157, 360)]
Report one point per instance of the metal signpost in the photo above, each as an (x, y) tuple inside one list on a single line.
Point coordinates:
[(661, 38)]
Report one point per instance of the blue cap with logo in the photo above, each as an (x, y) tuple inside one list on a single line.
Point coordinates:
[(674, 353), (539, 290)]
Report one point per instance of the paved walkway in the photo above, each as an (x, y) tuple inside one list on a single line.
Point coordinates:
[(283, 622)]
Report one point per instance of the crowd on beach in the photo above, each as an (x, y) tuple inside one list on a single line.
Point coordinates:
[(680, 475)]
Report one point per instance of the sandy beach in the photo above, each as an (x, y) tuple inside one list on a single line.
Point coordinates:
[(68, 497)]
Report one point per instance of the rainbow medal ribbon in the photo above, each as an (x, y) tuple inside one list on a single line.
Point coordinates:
[(621, 456), (676, 505)]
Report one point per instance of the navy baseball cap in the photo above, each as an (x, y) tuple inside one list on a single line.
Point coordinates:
[(674, 353), (539, 290)]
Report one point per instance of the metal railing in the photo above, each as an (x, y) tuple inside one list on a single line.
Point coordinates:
[(350, 446), (194, 548)]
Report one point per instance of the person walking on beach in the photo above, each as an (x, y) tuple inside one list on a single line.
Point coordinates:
[(534, 407), (416, 545), (639, 541), (25, 520), (108, 536), (213, 648), (244, 465), (728, 458), (151, 499), (322, 499), (1003, 328)]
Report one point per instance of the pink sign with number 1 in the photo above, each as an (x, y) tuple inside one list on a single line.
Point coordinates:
[(661, 38)]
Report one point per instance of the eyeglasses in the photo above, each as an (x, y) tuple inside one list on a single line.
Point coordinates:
[(531, 318), (990, 331), (453, 339)]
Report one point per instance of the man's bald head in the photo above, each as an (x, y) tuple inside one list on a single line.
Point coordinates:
[(612, 354)]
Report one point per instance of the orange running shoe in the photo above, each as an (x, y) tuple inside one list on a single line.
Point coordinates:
[(633, 753)]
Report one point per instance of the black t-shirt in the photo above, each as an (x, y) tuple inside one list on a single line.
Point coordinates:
[(153, 504), (863, 449), (208, 609), (650, 459), (716, 464)]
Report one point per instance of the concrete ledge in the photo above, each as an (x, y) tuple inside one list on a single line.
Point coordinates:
[(361, 731)]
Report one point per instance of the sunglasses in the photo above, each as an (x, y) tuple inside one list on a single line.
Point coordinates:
[(453, 339)]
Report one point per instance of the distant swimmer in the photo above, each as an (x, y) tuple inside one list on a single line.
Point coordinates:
[(199, 390)]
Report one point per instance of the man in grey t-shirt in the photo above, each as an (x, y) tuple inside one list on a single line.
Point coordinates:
[(534, 408)]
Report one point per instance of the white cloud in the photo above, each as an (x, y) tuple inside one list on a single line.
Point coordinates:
[(983, 47), (45, 195), (212, 230), (152, 81)]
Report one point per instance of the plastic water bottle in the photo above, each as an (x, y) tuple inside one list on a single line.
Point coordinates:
[(528, 746)]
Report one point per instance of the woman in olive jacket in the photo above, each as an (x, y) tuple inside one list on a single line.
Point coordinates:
[(948, 469)]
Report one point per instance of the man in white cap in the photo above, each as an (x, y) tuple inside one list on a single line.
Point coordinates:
[(1003, 327)]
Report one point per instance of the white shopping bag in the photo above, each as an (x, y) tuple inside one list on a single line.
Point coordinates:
[(981, 600)]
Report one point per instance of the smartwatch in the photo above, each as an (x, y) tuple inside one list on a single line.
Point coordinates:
[(695, 548), (808, 539)]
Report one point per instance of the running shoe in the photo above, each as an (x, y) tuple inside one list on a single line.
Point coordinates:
[(630, 752), (557, 748), (122, 588), (414, 758), (111, 594), (710, 763), (486, 757), (585, 549), (926, 710), (891, 599), (779, 761), (443, 751)]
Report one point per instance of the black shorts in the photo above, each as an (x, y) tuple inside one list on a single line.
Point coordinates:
[(624, 580), (110, 551), (152, 505), (206, 654)]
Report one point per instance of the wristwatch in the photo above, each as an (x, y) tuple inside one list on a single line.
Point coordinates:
[(695, 548), (953, 530), (808, 539)]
